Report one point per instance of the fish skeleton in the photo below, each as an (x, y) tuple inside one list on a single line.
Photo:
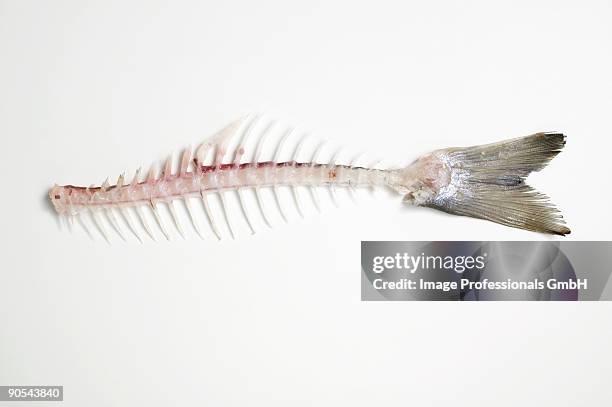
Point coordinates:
[(486, 182)]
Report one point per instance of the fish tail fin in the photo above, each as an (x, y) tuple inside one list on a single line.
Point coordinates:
[(488, 182)]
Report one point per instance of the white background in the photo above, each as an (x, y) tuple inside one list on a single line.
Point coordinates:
[(90, 89)]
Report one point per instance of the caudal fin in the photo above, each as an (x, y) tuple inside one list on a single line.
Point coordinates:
[(488, 182)]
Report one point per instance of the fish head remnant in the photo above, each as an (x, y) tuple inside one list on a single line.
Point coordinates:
[(59, 199), (423, 180)]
